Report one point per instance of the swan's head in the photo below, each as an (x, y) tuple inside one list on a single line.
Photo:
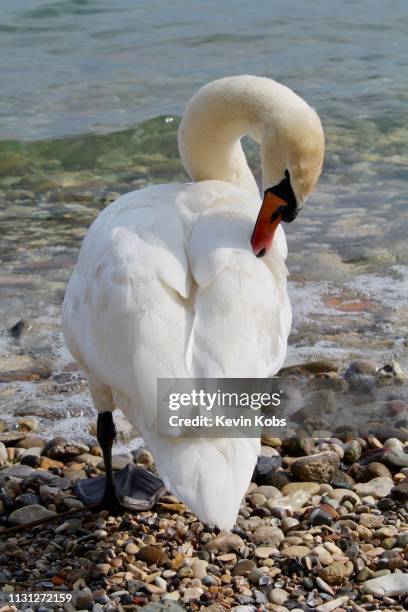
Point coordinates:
[(292, 161)]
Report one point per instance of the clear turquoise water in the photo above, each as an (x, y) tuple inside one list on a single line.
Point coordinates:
[(90, 98)]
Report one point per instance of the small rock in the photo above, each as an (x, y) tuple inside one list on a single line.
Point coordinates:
[(298, 447), (377, 487), (72, 503), (392, 370), (209, 581), (199, 567), (28, 499), (323, 515), (341, 480), (388, 585), (144, 457), (30, 442), (62, 450), (394, 444), (352, 452), (278, 596), (118, 462), (312, 488), (50, 494), (316, 468), (3, 454), (225, 543), (296, 552), (336, 572), (192, 593), (255, 576), (365, 473), (28, 424), (151, 555), (360, 375), (288, 523), (289, 502), (323, 555), (46, 463), (323, 586), (333, 604), (131, 548), (27, 514), (268, 535), (263, 552), (18, 471), (268, 491), (340, 494), (243, 567), (400, 491), (82, 599)]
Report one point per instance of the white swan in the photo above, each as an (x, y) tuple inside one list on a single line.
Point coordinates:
[(167, 284)]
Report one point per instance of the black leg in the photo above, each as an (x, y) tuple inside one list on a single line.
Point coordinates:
[(106, 434)]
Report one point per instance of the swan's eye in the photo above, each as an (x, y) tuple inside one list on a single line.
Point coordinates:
[(276, 214)]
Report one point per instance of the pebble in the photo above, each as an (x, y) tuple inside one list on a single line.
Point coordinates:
[(377, 487), (131, 548), (30, 513), (263, 552), (312, 488), (192, 593), (62, 450), (152, 555), (340, 494), (268, 535), (352, 452), (29, 424), (278, 596), (82, 599), (334, 604), (400, 491), (3, 454), (360, 375), (46, 463), (243, 567), (225, 543), (288, 523), (118, 462), (389, 585), (199, 568), (18, 471), (267, 491), (317, 468), (323, 555), (295, 552), (336, 572)]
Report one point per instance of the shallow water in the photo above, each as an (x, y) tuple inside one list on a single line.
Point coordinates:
[(89, 109)]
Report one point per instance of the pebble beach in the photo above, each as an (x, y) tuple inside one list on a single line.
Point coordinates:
[(323, 526)]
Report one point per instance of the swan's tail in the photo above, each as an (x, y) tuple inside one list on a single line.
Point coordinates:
[(211, 476)]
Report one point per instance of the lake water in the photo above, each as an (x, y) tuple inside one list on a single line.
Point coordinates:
[(90, 99)]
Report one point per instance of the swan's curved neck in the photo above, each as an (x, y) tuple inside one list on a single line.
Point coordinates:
[(216, 119), (210, 138)]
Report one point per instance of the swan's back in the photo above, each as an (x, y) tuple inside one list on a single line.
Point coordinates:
[(165, 286)]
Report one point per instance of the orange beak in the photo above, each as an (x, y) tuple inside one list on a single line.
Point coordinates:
[(269, 217)]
